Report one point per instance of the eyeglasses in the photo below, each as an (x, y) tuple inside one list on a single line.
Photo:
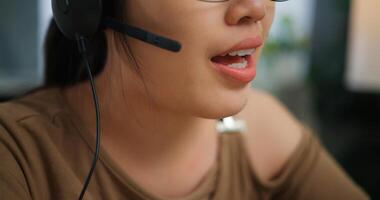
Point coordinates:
[(217, 1)]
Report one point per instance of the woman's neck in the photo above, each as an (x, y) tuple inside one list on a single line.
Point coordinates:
[(148, 142)]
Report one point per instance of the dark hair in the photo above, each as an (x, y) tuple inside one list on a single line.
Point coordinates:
[(63, 63)]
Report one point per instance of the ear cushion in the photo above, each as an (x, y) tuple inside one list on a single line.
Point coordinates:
[(77, 17)]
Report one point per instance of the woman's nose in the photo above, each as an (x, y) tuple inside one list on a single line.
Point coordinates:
[(245, 11)]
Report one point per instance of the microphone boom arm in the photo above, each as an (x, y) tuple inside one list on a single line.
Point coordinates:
[(140, 34)]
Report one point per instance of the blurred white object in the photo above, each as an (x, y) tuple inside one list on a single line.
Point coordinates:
[(230, 125), (363, 72)]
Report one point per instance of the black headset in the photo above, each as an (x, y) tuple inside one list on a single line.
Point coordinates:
[(84, 18)]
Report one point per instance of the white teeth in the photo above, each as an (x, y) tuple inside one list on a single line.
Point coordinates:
[(239, 65), (244, 63), (244, 52)]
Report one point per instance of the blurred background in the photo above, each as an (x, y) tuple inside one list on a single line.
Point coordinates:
[(321, 60)]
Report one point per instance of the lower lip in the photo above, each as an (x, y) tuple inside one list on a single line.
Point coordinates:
[(244, 75)]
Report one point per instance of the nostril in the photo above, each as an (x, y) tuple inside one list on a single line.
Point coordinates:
[(245, 20)]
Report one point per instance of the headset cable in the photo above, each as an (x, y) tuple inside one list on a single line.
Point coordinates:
[(81, 42)]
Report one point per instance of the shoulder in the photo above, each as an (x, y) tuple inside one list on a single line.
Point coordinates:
[(26, 125), (38, 103), (273, 133), (25, 120), (25, 141)]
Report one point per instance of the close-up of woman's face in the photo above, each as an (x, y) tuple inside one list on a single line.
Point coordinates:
[(189, 81)]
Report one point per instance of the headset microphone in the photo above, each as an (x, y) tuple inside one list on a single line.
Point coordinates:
[(143, 35)]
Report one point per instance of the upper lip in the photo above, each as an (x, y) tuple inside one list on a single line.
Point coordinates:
[(248, 43)]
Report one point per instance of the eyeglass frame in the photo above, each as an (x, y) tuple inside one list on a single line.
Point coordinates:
[(218, 1)]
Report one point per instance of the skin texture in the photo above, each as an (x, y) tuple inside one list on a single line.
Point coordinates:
[(163, 127)]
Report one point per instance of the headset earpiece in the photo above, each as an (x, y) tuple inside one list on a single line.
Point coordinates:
[(78, 17)]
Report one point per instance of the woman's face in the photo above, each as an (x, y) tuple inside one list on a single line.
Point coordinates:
[(187, 82)]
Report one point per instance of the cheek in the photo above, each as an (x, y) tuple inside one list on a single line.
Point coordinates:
[(266, 23), (173, 71), (164, 17), (188, 85)]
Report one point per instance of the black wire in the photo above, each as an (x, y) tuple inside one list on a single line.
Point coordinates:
[(82, 49)]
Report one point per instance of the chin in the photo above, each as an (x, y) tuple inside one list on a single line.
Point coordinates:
[(222, 108)]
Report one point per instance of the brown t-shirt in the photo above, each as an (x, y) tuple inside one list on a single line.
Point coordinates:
[(44, 154)]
